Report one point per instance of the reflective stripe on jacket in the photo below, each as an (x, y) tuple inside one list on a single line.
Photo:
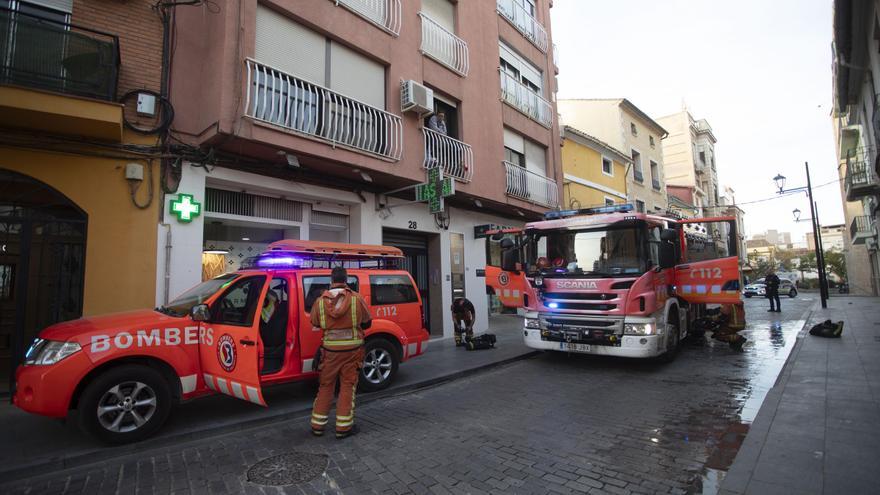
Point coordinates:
[(340, 312)]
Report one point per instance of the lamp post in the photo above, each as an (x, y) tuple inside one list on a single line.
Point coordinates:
[(817, 231)]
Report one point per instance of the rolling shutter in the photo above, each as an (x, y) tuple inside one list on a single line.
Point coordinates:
[(356, 76), (290, 47), (62, 5), (514, 141), (536, 158), (442, 12)]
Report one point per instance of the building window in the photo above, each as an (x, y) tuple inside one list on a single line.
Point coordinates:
[(703, 157), (640, 206), (607, 166), (638, 175), (655, 175), (633, 130), (521, 70), (609, 201), (651, 140), (514, 157)]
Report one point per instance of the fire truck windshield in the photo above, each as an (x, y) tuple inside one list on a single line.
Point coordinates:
[(182, 305), (604, 252)]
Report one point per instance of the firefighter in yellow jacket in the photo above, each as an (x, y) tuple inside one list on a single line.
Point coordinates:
[(342, 315)]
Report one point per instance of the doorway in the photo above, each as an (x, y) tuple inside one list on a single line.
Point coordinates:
[(42, 265), (417, 262)]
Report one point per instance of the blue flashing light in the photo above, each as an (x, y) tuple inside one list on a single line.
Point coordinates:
[(553, 305), (279, 262), (555, 215)]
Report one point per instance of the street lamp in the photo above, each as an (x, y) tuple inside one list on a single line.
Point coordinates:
[(817, 230)]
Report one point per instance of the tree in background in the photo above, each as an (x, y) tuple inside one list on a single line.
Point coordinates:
[(807, 263), (835, 263)]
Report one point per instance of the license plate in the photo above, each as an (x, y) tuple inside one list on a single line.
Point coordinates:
[(571, 346)]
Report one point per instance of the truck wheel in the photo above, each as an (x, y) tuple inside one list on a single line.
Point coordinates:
[(673, 341), (380, 365), (747, 295), (125, 404)]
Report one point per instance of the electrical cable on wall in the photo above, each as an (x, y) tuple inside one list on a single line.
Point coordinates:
[(134, 185)]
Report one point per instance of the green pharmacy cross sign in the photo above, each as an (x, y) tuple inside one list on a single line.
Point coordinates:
[(185, 207), (437, 188)]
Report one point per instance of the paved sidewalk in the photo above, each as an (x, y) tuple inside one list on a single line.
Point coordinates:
[(34, 444), (818, 431)]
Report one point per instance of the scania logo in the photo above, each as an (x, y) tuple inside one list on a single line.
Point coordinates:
[(577, 284)]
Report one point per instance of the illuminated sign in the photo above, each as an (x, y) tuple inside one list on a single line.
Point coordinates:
[(185, 207)]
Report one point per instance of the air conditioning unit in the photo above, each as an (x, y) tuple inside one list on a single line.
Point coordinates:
[(416, 97)]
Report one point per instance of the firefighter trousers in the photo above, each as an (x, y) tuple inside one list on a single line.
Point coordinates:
[(344, 367), (463, 319)]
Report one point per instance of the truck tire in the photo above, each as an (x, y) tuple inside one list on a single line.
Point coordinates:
[(125, 404), (673, 342), (380, 365), (747, 296)]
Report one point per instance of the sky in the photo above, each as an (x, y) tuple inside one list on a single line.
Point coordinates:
[(758, 70)]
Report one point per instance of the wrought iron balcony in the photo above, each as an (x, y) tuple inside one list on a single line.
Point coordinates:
[(305, 108), (532, 187), (524, 22), (524, 99), (56, 56), (385, 14), (444, 46), (861, 179), (454, 156), (861, 229)]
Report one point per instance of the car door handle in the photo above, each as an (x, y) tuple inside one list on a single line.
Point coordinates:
[(247, 342), (682, 267)]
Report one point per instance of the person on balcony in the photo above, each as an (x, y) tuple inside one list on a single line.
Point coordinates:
[(437, 122)]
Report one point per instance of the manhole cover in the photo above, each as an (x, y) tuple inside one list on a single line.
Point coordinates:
[(287, 469)]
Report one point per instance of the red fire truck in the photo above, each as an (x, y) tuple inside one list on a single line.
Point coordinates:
[(232, 334), (614, 282)]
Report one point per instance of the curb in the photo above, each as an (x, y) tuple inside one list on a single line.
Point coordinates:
[(107, 453), (739, 475)]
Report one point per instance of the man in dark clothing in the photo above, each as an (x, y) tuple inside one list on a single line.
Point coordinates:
[(463, 313), (771, 283)]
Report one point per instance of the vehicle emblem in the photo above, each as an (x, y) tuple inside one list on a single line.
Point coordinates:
[(503, 279), (226, 354)]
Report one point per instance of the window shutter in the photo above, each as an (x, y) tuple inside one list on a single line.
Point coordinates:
[(62, 5), (514, 141), (442, 11), (536, 158), (290, 47), (356, 76)]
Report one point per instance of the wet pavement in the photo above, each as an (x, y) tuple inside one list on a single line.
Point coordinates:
[(554, 423)]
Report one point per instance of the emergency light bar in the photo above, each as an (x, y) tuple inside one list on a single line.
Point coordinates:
[(555, 215), (316, 254)]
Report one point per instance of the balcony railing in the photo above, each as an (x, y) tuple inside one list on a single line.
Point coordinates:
[(524, 99), (306, 108), (532, 187), (55, 56), (861, 229), (443, 46), (454, 156), (861, 180), (524, 22), (385, 14)]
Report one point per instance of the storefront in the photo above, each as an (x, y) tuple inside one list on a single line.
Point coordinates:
[(240, 213)]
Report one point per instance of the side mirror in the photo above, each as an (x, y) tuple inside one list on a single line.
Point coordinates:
[(667, 255), (670, 235), (200, 312), (510, 260)]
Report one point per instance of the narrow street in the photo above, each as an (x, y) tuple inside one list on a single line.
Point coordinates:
[(554, 423)]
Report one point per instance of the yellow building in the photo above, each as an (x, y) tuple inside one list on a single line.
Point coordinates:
[(595, 172), (80, 165)]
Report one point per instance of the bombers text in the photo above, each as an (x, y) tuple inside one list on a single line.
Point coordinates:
[(152, 338)]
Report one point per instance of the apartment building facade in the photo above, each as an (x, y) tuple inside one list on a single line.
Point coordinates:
[(856, 119), (79, 165), (689, 158), (625, 127), (594, 172), (319, 113)]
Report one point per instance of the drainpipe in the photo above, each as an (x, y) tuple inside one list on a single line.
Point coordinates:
[(167, 281)]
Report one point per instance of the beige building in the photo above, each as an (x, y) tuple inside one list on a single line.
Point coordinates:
[(625, 127), (689, 158)]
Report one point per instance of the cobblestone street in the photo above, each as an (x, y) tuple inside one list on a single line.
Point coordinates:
[(551, 424)]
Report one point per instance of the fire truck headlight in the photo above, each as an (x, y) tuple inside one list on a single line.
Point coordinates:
[(639, 329), (46, 352), (533, 323)]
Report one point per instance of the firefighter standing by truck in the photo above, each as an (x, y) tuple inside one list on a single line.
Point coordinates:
[(342, 315)]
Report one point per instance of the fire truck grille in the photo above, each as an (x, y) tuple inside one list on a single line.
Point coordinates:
[(594, 331), (580, 297), (585, 306)]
